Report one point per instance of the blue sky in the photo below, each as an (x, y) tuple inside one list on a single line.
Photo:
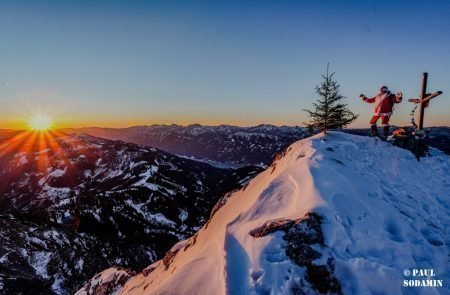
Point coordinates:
[(122, 63)]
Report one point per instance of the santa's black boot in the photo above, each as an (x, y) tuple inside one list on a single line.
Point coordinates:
[(386, 131), (373, 130)]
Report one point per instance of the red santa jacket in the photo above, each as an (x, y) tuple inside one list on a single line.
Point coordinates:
[(384, 103)]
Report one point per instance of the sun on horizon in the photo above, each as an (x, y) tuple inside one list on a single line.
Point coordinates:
[(40, 122)]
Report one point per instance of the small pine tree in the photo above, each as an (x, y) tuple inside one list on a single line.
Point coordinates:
[(330, 112)]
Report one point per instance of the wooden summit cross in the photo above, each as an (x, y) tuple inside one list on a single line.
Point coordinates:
[(424, 102)]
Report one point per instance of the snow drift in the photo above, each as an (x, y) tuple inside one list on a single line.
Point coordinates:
[(334, 213)]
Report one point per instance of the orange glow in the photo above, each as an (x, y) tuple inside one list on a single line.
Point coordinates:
[(39, 146)]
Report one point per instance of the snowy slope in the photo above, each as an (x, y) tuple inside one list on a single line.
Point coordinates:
[(372, 219)]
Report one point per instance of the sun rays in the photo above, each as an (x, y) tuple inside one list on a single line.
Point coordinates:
[(39, 145), (40, 122)]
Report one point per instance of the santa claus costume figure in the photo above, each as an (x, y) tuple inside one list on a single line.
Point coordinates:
[(384, 106)]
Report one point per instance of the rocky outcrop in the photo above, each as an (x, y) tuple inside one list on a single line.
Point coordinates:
[(305, 246)]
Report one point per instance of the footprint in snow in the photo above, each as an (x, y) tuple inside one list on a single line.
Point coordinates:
[(432, 237), (393, 229)]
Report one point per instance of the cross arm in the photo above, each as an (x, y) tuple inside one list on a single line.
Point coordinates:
[(427, 98), (431, 96)]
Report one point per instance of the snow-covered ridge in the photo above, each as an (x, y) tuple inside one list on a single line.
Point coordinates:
[(376, 212)]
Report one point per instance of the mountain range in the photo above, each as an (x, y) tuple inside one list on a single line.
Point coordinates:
[(224, 144), (232, 146)]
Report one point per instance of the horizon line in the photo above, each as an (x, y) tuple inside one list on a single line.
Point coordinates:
[(197, 124)]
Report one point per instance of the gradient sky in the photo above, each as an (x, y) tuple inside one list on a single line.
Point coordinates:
[(123, 63)]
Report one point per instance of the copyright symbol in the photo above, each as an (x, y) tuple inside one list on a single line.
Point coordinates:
[(406, 272)]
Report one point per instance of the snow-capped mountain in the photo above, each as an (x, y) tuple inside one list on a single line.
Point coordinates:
[(72, 205), (333, 214), (225, 144)]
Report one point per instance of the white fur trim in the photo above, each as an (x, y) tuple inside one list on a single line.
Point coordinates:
[(379, 99)]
